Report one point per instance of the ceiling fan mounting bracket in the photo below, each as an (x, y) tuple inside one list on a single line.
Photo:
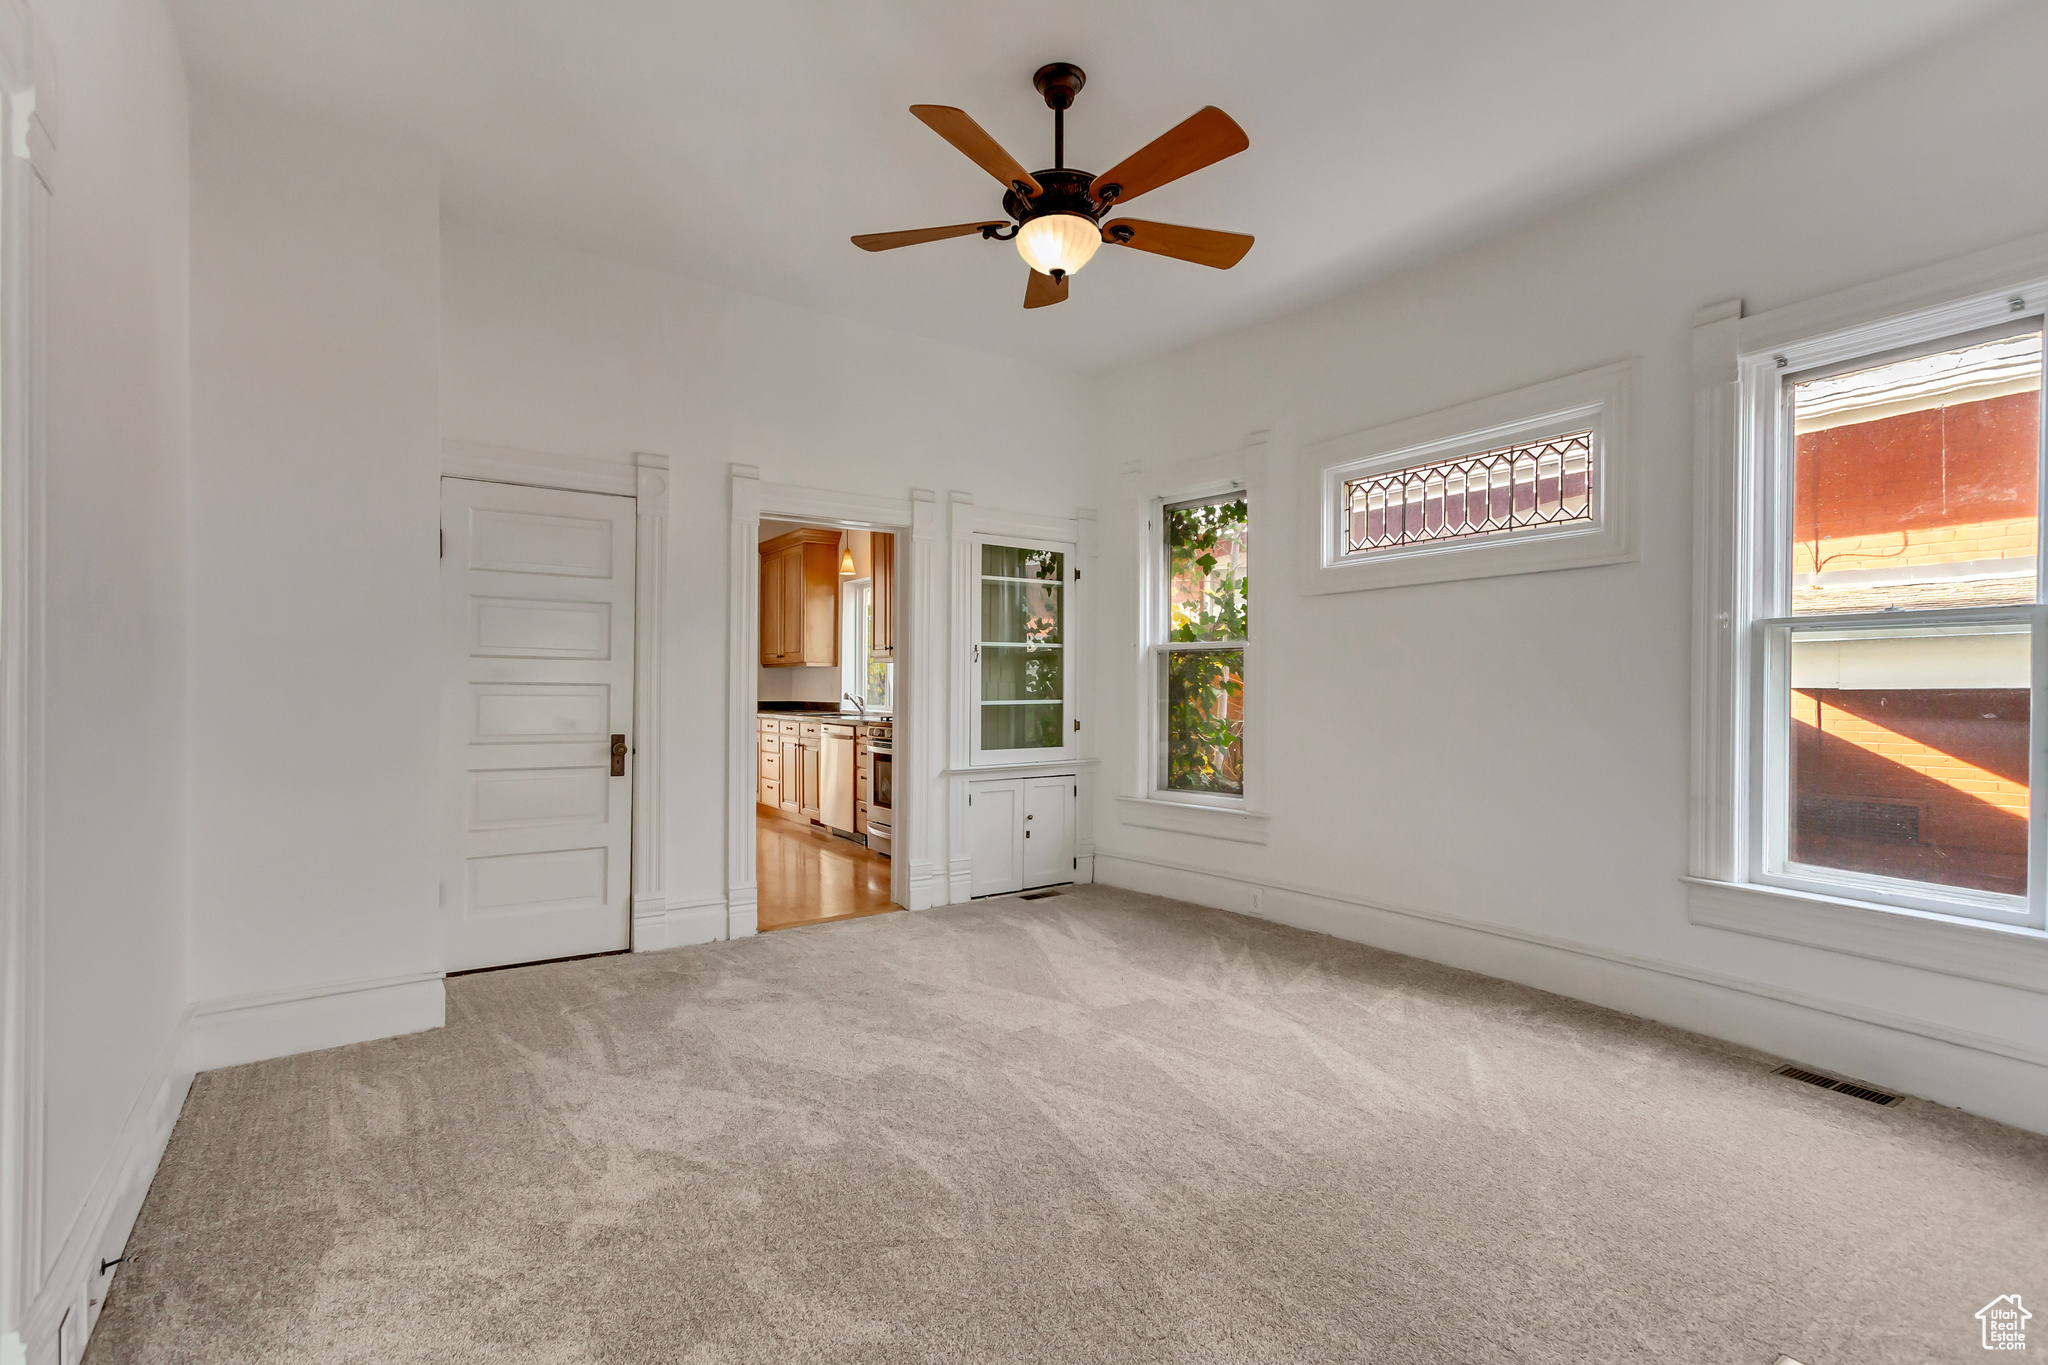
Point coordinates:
[(997, 234), (1059, 82), (1122, 233)]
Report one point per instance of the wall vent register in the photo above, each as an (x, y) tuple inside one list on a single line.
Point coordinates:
[(1861, 1092)]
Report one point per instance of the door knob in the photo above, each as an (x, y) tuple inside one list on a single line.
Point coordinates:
[(618, 755)]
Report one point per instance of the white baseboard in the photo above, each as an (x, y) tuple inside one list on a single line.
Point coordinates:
[(100, 1229), (1999, 1078), (926, 890), (743, 912), (678, 924), (257, 1027)]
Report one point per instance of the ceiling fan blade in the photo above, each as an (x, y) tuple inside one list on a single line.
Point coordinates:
[(1200, 140), (984, 151), (1200, 245), (889, 241), (1043, 291)]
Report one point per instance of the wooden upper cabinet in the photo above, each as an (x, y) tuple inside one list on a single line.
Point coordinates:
[(884, 596), (800, 600)]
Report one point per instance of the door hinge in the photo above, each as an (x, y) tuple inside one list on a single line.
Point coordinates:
[(1077, 864), (444, 542)]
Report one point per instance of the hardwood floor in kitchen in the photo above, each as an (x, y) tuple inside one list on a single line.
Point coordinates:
[(808, 876)]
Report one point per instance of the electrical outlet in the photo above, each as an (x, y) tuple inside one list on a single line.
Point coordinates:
[(1259, 901)]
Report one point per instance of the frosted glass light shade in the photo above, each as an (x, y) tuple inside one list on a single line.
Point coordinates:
[(1058, 241)]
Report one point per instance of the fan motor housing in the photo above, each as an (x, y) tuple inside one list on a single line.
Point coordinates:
[(1065, 192)]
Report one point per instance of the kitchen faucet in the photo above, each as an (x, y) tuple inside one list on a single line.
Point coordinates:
[(857, 702)]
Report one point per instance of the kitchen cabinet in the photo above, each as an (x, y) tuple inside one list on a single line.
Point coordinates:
[(1020, 833), (810, 786), (800, 600), (882, 554), (792, 765)]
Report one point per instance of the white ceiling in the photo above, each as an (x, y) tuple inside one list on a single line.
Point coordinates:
[(742, 142)]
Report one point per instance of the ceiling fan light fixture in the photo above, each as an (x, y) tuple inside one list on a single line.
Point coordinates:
[(1058, 244)]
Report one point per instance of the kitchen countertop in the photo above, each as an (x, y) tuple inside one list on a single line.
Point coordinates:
[(836, 717)]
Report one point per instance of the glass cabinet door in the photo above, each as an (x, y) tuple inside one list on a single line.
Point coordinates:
[(1022, 650)]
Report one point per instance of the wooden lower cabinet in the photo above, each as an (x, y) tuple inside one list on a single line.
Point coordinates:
[(810, 796), (793, 766)]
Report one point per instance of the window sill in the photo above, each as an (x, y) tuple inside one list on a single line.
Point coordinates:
[(1183, 817), (2004, 955)]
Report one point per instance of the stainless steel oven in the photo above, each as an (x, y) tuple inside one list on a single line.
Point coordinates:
[(881, 780)]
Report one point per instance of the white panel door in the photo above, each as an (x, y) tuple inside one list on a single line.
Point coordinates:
[(995, 836), (1048, 830), (537, 641)]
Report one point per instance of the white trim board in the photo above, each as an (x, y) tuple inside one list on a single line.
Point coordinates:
[(678, 924), (254, 1028), (910, 519), (538, 468), (2005, 955), (100, 1230), (1995, 1077)]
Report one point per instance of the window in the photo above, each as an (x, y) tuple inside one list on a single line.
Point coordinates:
[(1491, 492), (1201, 652), (1868, 621), (1518, 483), (1019, 658), (1897, 604), (861, 675)]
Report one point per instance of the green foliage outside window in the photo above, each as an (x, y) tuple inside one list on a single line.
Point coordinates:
[(1208, 591)]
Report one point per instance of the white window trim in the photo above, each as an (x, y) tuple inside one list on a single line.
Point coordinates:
[(1143, 803), (852, 658), (1598, 399), (1070, 660), (1734, 362)]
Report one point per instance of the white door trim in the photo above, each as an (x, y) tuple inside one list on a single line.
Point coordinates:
[(647, 482), (911, 879), (32, 1287)]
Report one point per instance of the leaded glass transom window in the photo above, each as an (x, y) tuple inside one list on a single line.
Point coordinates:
[(1546, 483)]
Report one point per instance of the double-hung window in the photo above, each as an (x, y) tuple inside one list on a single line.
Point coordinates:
[(1894, 619), (1200, 637)]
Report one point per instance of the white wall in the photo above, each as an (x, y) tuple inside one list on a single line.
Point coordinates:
[(315, 516), (118, 445), (1512, 752), (551, 350)]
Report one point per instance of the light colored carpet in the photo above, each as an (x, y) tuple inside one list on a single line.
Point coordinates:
[(1099, 1127)]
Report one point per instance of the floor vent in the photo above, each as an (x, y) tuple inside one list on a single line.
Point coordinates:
[(1036, 895), (1861, 1092)]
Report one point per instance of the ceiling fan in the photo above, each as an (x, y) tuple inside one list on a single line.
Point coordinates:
[(1056, 214)]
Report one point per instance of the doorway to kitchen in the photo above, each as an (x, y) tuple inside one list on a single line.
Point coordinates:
[(824, 818)]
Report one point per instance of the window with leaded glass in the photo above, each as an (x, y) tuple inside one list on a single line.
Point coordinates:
[(1201, 655)]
